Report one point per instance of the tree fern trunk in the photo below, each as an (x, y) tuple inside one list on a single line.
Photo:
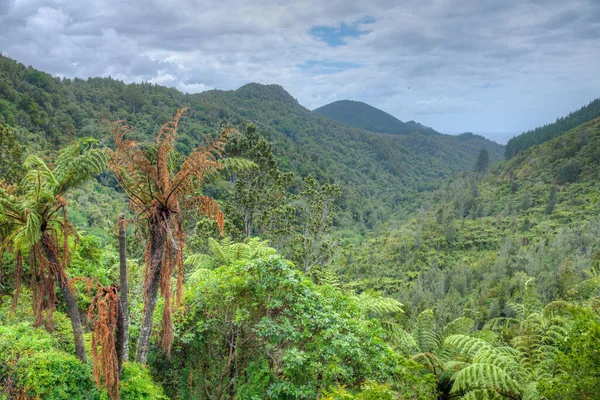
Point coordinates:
[(123, 324), (72, 310), (157, 243)]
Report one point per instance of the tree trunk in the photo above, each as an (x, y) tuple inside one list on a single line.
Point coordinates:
[(120, 337), (72, 310), (123, 323), (157, 246)]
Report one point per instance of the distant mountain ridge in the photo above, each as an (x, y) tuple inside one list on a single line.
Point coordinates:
[(364, 116)]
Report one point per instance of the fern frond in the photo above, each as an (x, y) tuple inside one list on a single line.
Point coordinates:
[(78, 162), (429, 361), (31, 233), (466, 345), (482, 394), (501, 324), (203, 261), (462, 325), (371, 302), (228, 167), (486, 377), (424, 332), (490, 337), (555, 309)]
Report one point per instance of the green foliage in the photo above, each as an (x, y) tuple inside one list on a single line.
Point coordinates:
[(311, 246), (33, 206), (576, 372), (550, 131), (227, 252), (32, 365), (483, 160), (136, 383), (259, 196), (363, 116), (11, 155), (285, 336)]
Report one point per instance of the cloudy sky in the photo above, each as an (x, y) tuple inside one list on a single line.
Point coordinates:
[(496, 67)]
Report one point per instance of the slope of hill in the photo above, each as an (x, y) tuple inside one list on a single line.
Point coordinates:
[(379, 173), (482, 236), (363, 116), (549, 131)]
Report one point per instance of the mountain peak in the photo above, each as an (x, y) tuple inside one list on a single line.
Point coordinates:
[(364, 116), (266, 92)]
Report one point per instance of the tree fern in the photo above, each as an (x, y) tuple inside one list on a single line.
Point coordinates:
[(36, 213), (487, 377), (226, 251), (424, 332)]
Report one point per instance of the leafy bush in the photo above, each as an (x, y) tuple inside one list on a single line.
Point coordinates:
[(264, 330), (31, 365)]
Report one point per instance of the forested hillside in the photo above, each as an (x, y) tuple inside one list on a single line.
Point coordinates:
[(549, 131), (235, 245), (387, 171), (363, 116), (513, 250)]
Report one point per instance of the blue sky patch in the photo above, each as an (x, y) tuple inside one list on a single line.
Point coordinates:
[(334, 35), (323, 67)]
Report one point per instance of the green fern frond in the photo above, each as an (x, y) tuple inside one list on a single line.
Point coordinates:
[(228, 167), (482, 394), (487, 336), (424, 332), (429, 361), (486, 377), (462, 325), (371, 302), (404, 342), (530, 392), (31, 232), (555, 309), (501, 324), (466, 345), (203, 261)]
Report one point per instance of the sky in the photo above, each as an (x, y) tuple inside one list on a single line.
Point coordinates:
[(495, 67)]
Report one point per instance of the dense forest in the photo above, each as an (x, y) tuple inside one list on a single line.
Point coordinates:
[(364, 116), (547, 132), (235, 245)]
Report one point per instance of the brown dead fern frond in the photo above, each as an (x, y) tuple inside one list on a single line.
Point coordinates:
[(103, 312)]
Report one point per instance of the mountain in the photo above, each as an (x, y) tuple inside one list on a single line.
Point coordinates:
[(485, 238), (547, 132), (380, 174), (363, 116)]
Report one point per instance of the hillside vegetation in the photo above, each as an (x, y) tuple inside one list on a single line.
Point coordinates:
[(164, 254), (549, 131), (381, 175), (363, 116)]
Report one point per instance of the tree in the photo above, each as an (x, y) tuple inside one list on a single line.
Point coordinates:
[(483, 160), (259, 195), (123, 350), (161, 187), (11, 154), (36, 213), (551, 200), (312, 246)]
